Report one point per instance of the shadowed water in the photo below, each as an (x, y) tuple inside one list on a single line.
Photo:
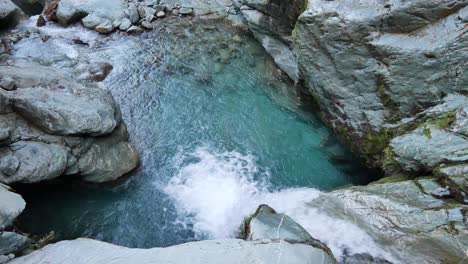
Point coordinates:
[(219, 131)]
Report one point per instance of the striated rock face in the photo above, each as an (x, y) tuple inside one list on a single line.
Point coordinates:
[(60, 127), (292, 244), (70, 11), (272, 22), (369, 64), (412, 225)]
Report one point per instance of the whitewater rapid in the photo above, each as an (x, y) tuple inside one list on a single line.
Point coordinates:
[(214, 192)]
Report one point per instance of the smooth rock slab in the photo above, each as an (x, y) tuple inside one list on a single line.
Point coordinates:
[(58, 112), (229, 251)]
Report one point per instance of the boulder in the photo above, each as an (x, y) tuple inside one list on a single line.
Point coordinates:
[(11, 242), (81, 112), (9, 13), (69, 11), (11, 205), (34, 162), (108, 158), (125, 24), (135, 30)]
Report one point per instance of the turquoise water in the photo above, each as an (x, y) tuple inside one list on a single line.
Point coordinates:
[(219, 130)]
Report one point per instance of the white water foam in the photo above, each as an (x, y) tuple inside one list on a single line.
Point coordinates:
[(216, 191)]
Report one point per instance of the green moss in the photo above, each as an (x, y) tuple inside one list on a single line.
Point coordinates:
[(304, 6), (427, 133), (398, 177), (387, 101)]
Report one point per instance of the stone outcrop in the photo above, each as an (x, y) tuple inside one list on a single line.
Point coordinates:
[(292, 245), (404, 217), (52, 126), (370, 65)]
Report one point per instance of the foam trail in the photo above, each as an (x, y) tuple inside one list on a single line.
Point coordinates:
[(216, 191)]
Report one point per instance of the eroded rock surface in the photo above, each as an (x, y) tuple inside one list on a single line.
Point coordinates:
[(371, 64)]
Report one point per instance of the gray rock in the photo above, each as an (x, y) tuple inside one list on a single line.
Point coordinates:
[(82, 112), (427, 147), (38, 162), (12, 243), (134, 30), (7, 83), (9, 165), (146, 25), (229, 251), (105, 27), (69, 11), (108, 158), (92, 21), (11, 205), (367, 64), (125, 24), (267, 224), (441, 193), (186, 11), (160, 14), (413, 225), (9, 13), (133, 13)]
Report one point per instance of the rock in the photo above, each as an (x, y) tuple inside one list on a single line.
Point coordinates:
[(11, 205), (99, 71), (403, 217), (133, 13), (368, 66), (92, 112), (146, 25), (37, 162), (45, 38), (267, 224), (135, 30), (441, 193), (125, 24), (229, 251), (175, 12), (7, 83), (108, 158), (105, 28), (40, 21), (69, 11), (12, 243), (272, 23), (160, 14), (9, 13), (91, 21), (186, 11), (9, 165), (426, 147)]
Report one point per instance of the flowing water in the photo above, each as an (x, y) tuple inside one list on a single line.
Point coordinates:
[(219, 131)]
